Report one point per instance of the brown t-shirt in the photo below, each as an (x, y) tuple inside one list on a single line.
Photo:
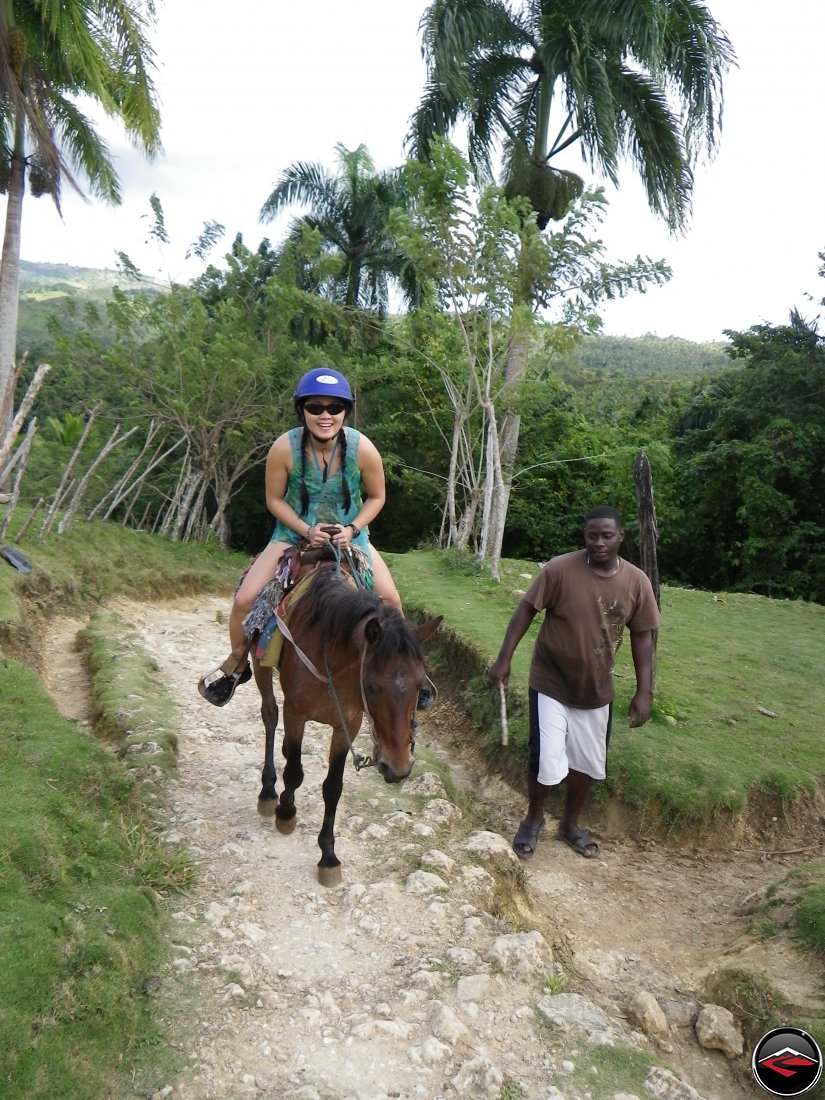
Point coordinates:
[(585, 618)]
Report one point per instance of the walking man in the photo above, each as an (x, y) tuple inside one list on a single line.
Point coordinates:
[(588, 597)]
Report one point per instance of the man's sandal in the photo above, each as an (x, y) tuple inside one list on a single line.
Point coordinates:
[(219, 689), (580, 842), (526, 839)]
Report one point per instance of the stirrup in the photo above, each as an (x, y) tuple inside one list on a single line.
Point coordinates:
[(427, 696), (218, 686)]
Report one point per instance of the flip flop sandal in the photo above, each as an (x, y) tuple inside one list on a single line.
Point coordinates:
[(526, 839), (579, 841), (220, 690)]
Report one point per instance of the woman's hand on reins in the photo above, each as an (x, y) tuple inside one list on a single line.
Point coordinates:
[(341, 537)]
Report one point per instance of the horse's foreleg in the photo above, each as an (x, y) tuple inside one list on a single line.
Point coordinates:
[(285, 818), (268, 798), (329, 865)]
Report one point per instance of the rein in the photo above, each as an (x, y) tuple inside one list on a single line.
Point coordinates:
[(358, 759)]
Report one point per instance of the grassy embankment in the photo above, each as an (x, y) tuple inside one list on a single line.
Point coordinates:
[(723, 661), (81, 869)]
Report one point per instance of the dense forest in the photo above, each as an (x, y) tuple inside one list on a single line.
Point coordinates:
[(734, 433)]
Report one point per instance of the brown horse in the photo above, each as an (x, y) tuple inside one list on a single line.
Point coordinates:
[(348, 654)]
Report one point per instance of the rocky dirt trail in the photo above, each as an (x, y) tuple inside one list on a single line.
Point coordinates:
[(402, 982)]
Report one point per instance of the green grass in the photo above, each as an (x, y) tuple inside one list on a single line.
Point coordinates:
[(719, 660), (80, 927), (130, 705), (75, 572), (603, 1071), (83, 870)]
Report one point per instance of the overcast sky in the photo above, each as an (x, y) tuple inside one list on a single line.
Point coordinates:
[(250, 87)]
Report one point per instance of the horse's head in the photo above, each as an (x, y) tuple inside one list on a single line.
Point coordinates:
[(394, 673)]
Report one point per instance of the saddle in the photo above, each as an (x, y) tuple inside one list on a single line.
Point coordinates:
[(275, 601), (297, 569)]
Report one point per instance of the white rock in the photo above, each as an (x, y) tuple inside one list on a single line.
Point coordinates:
[(662, 1085), (491, 847), (424, 882), (430, 1052), (478, 884), (374, 831), (464, 959), (716, 1029), (475, 987), (478, 1077), (645, 1012), (440, 860), (442, 812), (520, 953), (445, 1025), (429, 783), (572, 1011)]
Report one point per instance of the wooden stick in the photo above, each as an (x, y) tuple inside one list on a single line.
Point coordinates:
[(505, 729)]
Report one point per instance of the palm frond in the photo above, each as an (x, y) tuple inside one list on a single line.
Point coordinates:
[(305, 183)]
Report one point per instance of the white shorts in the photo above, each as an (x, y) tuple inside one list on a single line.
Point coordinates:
[(564, 738)]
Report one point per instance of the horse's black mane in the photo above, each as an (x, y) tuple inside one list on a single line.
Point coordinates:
[(338, 609)]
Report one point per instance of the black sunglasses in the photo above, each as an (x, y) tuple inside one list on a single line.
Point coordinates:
[(333, 409)]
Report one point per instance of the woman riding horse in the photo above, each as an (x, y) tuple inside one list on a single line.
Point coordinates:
[(324, 483)]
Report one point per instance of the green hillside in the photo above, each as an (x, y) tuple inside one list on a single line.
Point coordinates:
[(62, 293)]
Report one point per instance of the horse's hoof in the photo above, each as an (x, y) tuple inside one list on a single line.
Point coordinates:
[(267, 806), (330, 876), (286, 826)]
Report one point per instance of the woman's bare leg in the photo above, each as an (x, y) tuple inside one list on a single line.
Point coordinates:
[(260, 573), (384, 584)]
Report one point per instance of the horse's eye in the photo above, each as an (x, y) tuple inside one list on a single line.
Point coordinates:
[(371, 688)]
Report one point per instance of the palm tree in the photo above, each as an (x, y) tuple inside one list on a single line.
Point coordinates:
[(53, 53), (637, 79), (640, 80), (351, 213)]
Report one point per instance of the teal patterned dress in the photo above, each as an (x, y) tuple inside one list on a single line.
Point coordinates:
[(326, 496)]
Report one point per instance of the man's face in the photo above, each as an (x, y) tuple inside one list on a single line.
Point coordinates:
[(602, 538)]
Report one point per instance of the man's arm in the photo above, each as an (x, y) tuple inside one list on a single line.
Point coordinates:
[(499, 670), (641, 647)]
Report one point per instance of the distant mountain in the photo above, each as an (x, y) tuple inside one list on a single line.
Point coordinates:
[(60, 292), (63, 278), (649, 356)]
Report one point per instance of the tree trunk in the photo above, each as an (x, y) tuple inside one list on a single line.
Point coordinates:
[(114, 493), (62, 491), (190, 490), (28, 522), (514, 368), (134, 487), (195, 513), (20, 459), (22, 413), (646, 511), (71, 511), (10, 280)]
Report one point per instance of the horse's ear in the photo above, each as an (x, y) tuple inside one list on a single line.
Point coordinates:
[(372, 630), (425, 631)]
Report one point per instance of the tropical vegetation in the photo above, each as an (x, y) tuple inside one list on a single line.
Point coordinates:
[(637, 82), (55, 58)]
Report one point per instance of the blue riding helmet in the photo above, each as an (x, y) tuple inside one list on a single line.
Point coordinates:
[(323, 382)]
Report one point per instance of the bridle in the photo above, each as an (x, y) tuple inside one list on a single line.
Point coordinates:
[(358, 759)]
